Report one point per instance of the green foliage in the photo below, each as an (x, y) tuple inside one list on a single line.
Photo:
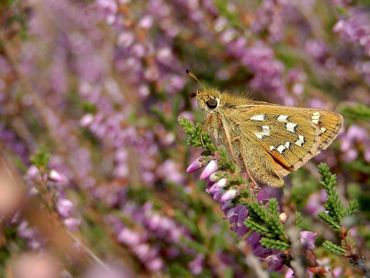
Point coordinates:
[(177, 270), (329, 220), (334, 215), (224, 162), (335, 210), (88, 107), (359, 165), (274, 244), (196, 137), (40, 159), (334, 248), (357, 112), (265, 220), (225, 12), (256, 227)]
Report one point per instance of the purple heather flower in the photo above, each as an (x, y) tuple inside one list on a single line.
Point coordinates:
[(196, 265), (308, 239), (209, 169), (229, 195), (30, 234), (155, 264), (72, 223), (317, 49), (65, 207), (56, 177), (275, 262), (354, 135), (217, 186), (338, 271), (129, 237), (169, 171), (195, 165), (237, 216), (355, 28), (315, 202), (289, 273)]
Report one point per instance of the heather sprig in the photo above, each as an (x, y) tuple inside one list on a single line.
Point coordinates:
[(196, 137), (335, 209), (334, 216), (265, 220)]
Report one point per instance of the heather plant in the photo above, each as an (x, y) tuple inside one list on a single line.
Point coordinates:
[(99, 135)]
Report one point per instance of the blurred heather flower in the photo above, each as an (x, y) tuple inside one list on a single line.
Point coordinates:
[(10, 141), (267, 71), (354, 139), (31, 235), (315, 202), (355, 28), (65, 207), (307, 239), (317, 49), (170, 172), (270, 19), (275, 262), (289, 273), (196, 265)]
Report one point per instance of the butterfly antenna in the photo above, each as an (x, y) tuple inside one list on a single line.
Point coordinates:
[(188, 72)]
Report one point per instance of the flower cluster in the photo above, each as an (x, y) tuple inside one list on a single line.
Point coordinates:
[(237, 213)]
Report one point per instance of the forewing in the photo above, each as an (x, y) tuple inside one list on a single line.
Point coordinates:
[(290, 136)]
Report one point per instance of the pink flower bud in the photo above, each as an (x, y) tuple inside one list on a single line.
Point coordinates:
[(56, 177), (229, 195), (221, 183), (194, 166), (209, 169)]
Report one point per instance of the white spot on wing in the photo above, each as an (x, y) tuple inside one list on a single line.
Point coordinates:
[(260, 117), (315, 117), (281, 148), (300, 140), (287, 145), (259, 135), (323, 129), (315, 121), (282, 118), (266, 130), (291, 126), (272, 148)]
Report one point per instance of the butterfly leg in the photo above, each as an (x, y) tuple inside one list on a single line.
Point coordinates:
[(255, 187)]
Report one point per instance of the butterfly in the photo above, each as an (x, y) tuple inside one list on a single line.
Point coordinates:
[(267, 141)]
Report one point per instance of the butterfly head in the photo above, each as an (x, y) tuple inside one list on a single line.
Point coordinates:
[(208, 99)]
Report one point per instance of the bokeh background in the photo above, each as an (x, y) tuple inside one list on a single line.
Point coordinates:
[(90, 95)]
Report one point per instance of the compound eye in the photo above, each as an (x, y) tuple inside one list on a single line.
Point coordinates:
[(212, 103)]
